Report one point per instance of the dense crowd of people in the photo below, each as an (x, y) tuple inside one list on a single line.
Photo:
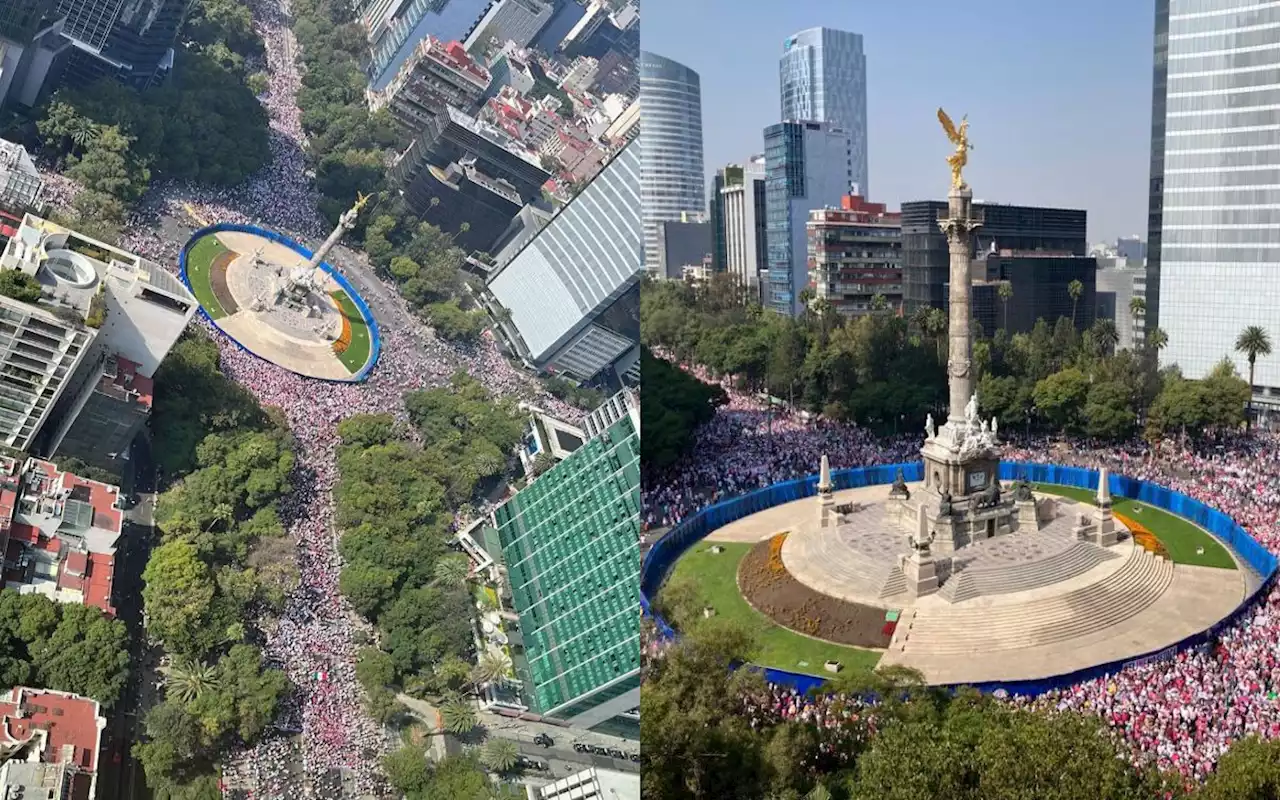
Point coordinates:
[(1183, 711), (314, 641)]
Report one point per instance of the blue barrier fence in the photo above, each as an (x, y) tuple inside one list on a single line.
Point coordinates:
[(663, 555), (375, 337)]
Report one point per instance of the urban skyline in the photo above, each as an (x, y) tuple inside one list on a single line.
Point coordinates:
[(1042, 143)]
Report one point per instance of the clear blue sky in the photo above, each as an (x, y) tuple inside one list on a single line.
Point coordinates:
[(1058, 94)]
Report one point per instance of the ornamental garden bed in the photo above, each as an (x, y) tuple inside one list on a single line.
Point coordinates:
[(771, 590)]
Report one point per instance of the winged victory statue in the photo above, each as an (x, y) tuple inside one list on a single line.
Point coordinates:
[(959, 136)]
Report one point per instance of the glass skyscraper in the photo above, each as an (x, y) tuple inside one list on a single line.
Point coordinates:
[(672, 178), (806, 167), (1216, 182), (823, 76)]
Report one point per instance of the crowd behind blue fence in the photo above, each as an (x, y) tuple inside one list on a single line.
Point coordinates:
[(667, 550)]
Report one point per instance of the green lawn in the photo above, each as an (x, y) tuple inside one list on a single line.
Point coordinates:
[(357, 353), (779, 647), (199, 258), (1180, 537)]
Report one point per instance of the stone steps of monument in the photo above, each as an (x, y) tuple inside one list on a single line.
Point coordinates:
[(895, 584), (1128, 591), (978, 581), (870, 575)]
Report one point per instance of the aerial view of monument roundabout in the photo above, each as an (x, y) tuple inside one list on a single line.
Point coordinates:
[(1008, 576), (281, 302)]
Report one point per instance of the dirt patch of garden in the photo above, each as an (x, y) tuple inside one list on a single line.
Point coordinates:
[(218, 281), (765, 583)]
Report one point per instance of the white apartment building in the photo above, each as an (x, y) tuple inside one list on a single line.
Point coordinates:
[(97, 301), (744, 244)]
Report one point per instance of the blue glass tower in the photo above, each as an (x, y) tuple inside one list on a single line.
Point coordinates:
[(823, 77)]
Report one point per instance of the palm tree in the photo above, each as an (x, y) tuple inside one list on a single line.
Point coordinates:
[(493, 668), (1075, 289), (500, 755), (1157, 339), (935, 327), (1105, 335), (84, 133), (489, 462), (452, 570), (819, 792), (458, 715), (189, 680), (1253, 341), (1005, 292), (431, 206)]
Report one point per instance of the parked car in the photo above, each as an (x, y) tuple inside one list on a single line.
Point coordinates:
[(598, 750), (618, 754), (543, 740), (579, 747), (635, 757)]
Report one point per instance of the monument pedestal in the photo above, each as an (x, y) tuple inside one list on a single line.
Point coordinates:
[(921, 574)]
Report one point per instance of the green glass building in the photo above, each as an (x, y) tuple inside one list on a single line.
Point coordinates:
[(570, 547)]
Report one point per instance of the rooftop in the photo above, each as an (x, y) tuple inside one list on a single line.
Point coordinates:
[(570, 542), (60, 533), (44, 735)]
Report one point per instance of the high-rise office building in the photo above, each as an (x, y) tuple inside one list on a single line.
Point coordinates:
[(509, 21), (1215, 188), (925, 259), (570, 542), (743, 199), (131, 39), (715, 215), (1155, 184), (823, 76), (855, 256), (806, 167), (566, 16), (568, 302), (1040, 281), (31, 44), (475, 173), (671, 141), (99, 304)]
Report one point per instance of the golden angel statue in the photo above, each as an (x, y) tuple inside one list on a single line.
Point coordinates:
[(361, 199), (960, 138)]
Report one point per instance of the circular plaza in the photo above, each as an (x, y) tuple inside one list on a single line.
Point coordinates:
[(837, 582), (256, 287)]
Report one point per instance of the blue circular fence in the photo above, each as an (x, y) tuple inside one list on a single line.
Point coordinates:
[(667, 550), (375, 337)]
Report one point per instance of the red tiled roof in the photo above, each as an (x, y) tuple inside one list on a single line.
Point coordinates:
[(22, 532), (66, 719), (97, 591), (102, 497), (77, 562)]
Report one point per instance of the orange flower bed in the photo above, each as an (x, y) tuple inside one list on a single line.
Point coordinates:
[(344, 340), (776, 567), (1143, 537)]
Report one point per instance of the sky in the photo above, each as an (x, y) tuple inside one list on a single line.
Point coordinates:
[(1058, 94)]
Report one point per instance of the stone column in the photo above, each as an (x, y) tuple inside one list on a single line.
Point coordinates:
[(959, 226), (1106, 535), (826, 496)]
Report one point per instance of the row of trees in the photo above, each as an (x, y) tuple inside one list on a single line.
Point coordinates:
[(886, 372), (710, 732), (70, 648), (223, 563), (398, 493), (205, 124)]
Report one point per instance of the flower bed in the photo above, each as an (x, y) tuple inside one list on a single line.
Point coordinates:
[(765, 583), (1143, 537), (344, 340)]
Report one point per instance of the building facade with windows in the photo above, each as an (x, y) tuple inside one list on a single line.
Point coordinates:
[(438, 75), (569, 543), (926, 264), (130, 39), (568, 302), (823, 77), (855, 256), (672, 180), (806, 167), (1215, 246), (743, 203)]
